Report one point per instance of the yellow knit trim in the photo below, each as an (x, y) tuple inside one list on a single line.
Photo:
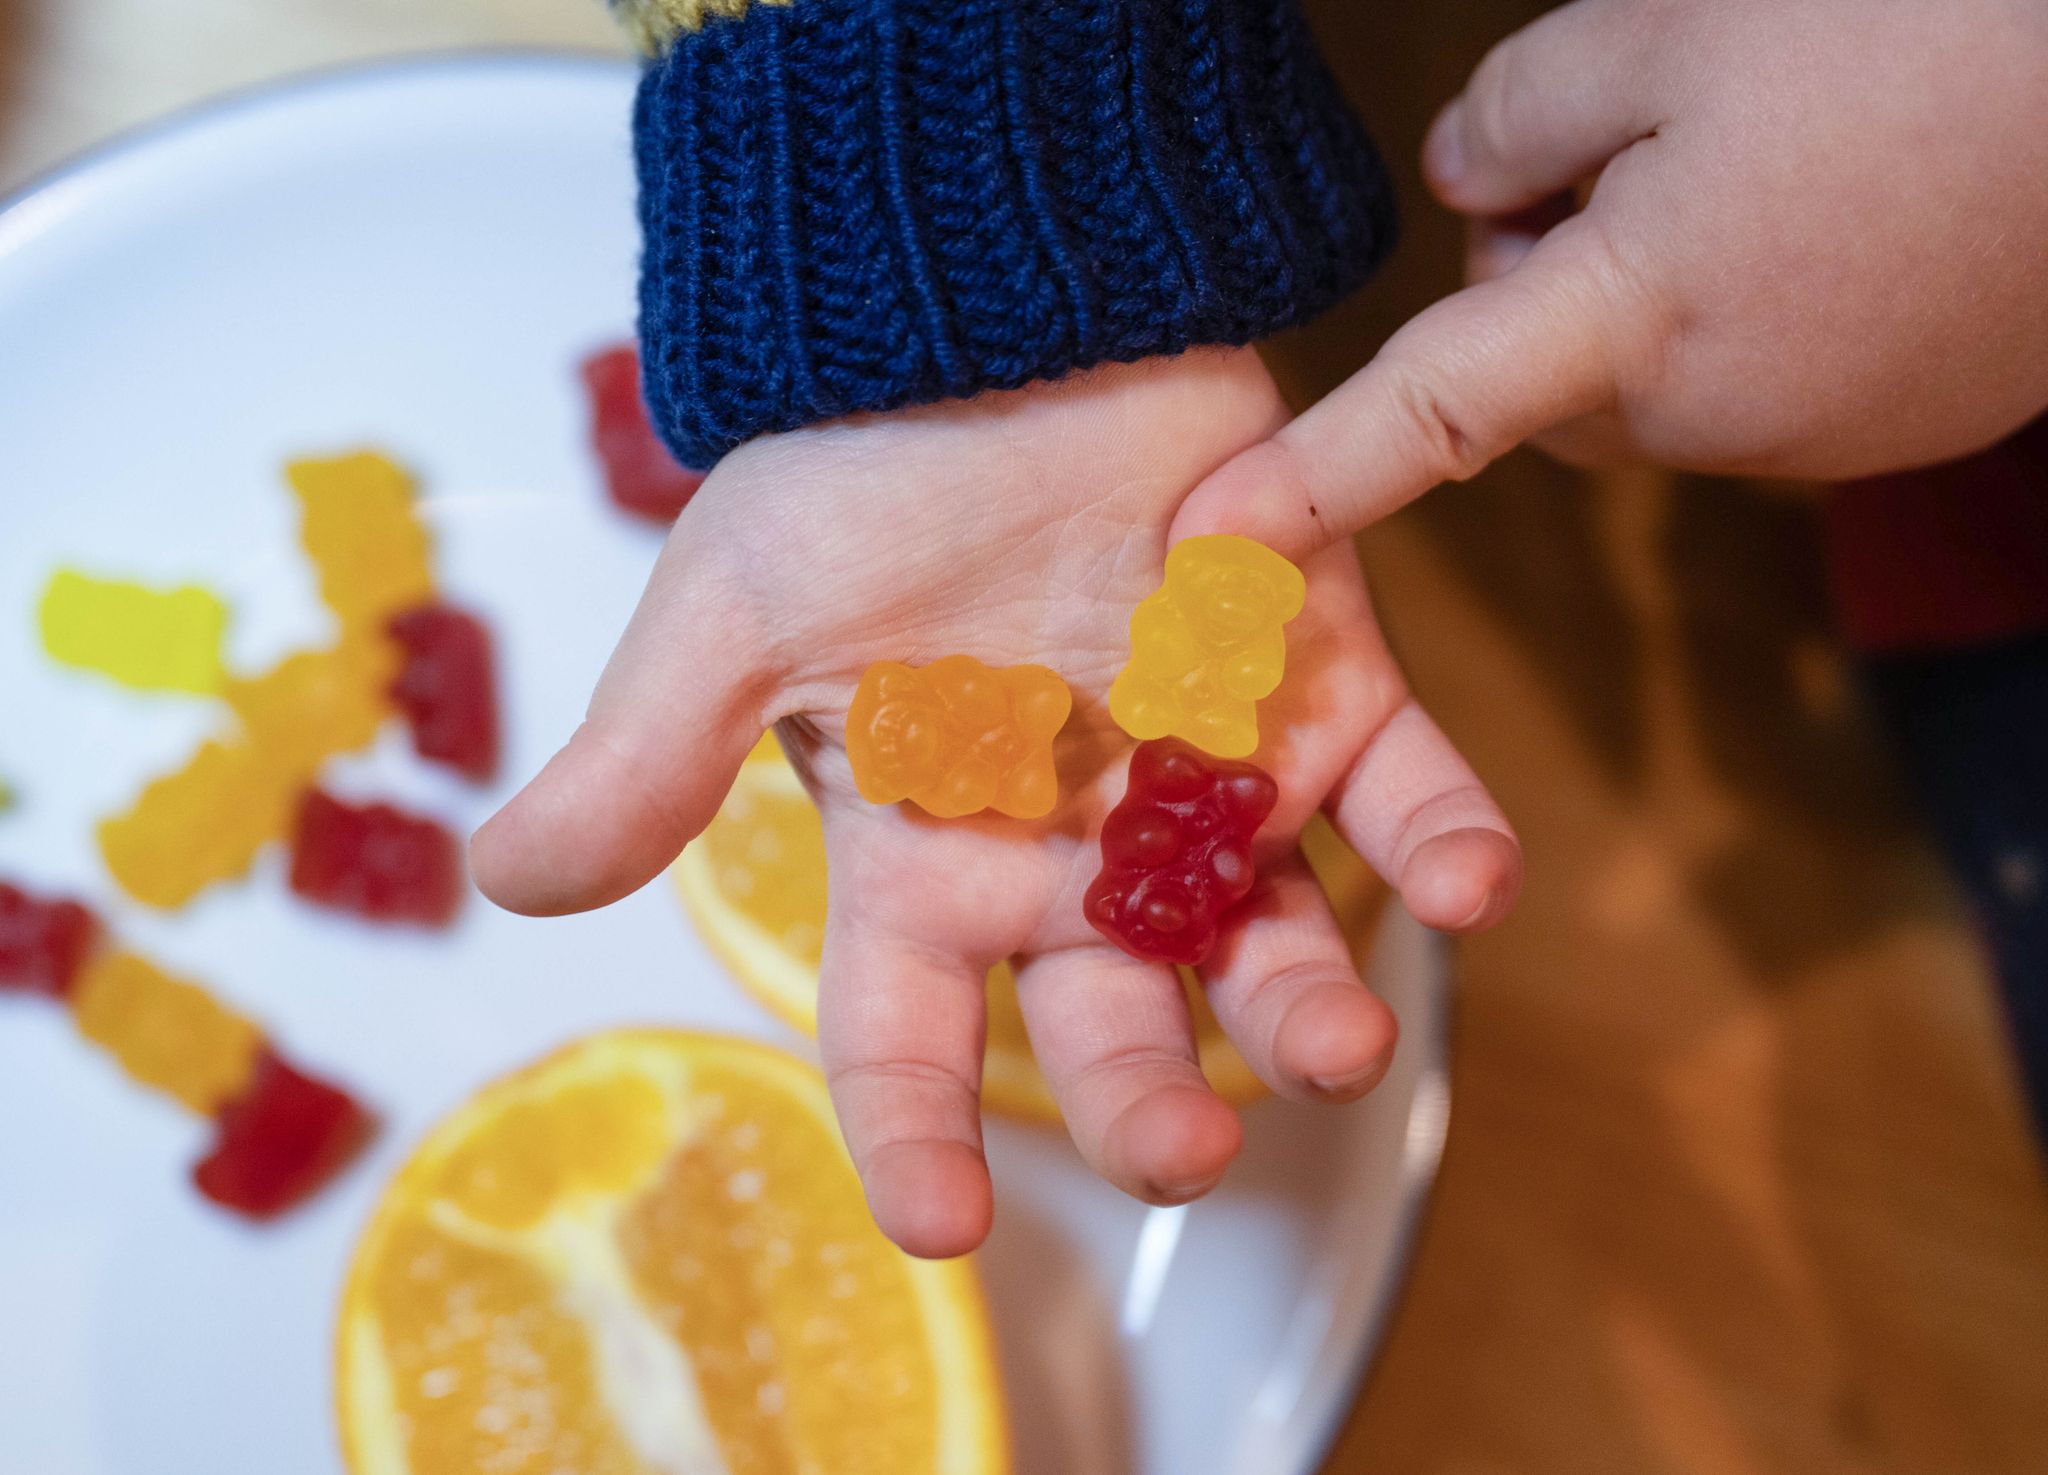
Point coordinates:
[(653, 24)]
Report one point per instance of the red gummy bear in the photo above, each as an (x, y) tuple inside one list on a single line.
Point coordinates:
[(1176, 852), (280, 1141), (639, 473), (42, 943), (447, 689), (376, 861)]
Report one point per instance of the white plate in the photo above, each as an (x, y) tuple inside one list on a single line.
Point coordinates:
[(416, 257)]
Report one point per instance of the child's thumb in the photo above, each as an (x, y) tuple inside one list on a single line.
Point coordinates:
[(672, 719)]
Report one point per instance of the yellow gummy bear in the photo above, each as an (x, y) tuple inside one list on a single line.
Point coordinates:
[(148, 639), (166, 1033), (1207, 645), (360, 529)]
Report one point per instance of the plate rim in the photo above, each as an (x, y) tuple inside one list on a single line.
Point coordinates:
[(82, 165), (1421, 1164)]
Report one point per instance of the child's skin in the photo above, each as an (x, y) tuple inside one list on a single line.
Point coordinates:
[(1818, 246), (1017, 527)]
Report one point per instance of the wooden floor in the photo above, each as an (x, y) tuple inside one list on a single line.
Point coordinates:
[(1737, 1178)]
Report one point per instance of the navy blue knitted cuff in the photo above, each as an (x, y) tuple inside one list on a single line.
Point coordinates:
[(865, 204)]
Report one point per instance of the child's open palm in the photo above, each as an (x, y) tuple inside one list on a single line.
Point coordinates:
[(1020, 527)]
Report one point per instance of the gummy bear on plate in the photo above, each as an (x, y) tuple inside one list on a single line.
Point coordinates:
[(1177, 851), (640, 474), (957, 737), (376, 861), (167, 1033), (314, 704), (43, 942), (207, 821), (1208, 645), (146, 639), (280, 1140), (363, 536), (447, 689), (199, 824)]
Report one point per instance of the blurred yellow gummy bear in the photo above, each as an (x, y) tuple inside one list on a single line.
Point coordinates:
[(144, 638), (362, 532), (1207, 645)]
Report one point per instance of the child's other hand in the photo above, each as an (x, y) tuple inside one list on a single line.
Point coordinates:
[(1019, 527), (1817, 247)]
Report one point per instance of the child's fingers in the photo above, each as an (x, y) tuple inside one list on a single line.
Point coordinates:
[(677, 709), (1465, 381), (1547, 107), (1496, 244), (1114, 1039), (900, 1030), (1415, 811), (1285, 990)]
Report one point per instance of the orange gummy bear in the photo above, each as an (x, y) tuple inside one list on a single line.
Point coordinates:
[(957, 737), (317, 703), (167, 1034), (201, 824), (207, 821), (363, 536)]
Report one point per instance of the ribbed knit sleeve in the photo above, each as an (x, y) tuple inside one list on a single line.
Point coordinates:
[(865, 204)]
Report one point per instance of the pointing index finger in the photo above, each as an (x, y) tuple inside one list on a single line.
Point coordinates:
[(1464, 382)]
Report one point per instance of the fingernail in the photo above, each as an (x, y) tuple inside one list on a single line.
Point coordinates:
[(1355, 1084), (1443, 151), (1180, 1193), (1480, 912)]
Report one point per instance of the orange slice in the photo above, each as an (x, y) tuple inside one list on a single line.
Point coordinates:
[(648, 1254), (754, 885)]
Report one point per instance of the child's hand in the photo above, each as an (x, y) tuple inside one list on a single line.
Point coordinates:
[(1817, 247), (1018, 528)]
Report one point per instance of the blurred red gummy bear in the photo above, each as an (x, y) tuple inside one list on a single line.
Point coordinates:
[(1176, 851), (376, 861), (280, 1141), (639, 473), (448, 689), (43, 943)]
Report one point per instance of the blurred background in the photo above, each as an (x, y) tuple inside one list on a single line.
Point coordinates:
[(1740, 1175)]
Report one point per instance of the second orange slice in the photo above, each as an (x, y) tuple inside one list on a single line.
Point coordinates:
[(754, 885)]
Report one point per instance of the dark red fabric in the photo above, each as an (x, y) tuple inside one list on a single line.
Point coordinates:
[(1944, 558)]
